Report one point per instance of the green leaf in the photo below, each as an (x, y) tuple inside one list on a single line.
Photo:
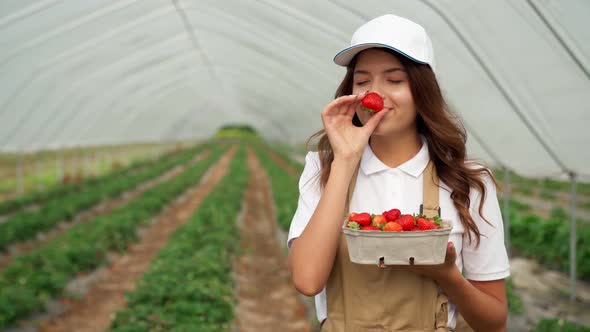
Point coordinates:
[(354, 225)]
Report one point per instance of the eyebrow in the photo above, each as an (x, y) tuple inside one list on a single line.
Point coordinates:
[(390, 70)]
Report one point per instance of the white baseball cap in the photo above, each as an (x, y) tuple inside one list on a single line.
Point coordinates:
[(389, 31)]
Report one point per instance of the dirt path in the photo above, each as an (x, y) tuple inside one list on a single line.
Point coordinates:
[(95, 311), (267, 301), (104, 207)]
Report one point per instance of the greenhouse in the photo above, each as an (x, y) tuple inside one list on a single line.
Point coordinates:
[(153, 152)]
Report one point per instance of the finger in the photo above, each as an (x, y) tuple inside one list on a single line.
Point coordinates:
[(335, 106), (451, 255), (353, 107), (374, 120), (347, 99)]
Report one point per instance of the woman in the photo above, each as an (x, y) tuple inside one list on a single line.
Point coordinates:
[(391, 159)]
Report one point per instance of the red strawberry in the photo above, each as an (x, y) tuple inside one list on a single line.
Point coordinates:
[(425, 224), (379, 221), (370, 228), (372, 102), (363, 219), (392, 214), (406, 221), (392, 227)]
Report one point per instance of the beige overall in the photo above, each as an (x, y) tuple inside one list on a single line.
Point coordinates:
[(363, 298)]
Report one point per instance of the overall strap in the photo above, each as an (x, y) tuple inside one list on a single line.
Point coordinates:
[(351, 186), (430, 207)]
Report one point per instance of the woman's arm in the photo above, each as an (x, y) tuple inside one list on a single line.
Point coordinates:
[(312, 254), (483, 304)]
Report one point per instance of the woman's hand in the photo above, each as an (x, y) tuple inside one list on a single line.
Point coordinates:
[(347, 140), (439, 272)]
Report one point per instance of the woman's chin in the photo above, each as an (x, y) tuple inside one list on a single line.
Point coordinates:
[(381, 129), (387, 129)]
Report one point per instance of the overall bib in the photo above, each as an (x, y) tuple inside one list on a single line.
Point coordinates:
[(363, 298)]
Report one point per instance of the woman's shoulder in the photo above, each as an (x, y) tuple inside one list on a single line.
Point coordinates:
[(485, 174), (312, 157), (311, 170)]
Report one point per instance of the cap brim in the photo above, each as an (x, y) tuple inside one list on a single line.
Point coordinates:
[(344, 57)]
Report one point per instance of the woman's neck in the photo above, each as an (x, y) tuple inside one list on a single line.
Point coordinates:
[(396, 150)]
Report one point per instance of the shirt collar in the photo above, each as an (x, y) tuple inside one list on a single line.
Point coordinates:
[(415, 166)]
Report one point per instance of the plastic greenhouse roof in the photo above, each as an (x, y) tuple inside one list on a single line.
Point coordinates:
[(95, 71)]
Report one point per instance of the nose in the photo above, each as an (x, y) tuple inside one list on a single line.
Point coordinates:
[(377, 87)]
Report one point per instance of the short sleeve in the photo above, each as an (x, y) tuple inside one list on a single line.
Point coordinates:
[(309, 196), (489, 261)]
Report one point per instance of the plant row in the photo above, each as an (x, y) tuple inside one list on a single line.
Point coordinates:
[(188, 287), (285, 187), (547, 240), (25, 225), (57, 191), (32, 279), (527, 184)]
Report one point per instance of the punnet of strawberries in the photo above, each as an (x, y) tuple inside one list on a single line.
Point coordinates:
[(392, 221)]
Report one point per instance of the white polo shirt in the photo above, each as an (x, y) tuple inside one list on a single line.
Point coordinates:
[(383, 188)]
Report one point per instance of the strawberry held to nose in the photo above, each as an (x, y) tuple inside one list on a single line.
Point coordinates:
[(372, 102)]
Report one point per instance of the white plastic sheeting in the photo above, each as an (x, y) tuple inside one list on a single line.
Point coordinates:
[(96, 71)]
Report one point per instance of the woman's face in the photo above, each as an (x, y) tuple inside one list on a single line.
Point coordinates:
[(378, 71)]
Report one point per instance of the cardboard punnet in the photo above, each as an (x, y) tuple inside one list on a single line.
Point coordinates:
[(398, 248)]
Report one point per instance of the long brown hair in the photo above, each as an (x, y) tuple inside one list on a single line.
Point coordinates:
[(444, 133)]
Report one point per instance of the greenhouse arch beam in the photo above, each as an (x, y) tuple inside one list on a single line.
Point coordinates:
[(557, 36), (27, 11), (507, 96), (75, 84), (67, 26), (71, 52)]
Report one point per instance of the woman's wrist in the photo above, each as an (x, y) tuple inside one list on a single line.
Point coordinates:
[(349, 160), (450, 279), (346, 165)]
